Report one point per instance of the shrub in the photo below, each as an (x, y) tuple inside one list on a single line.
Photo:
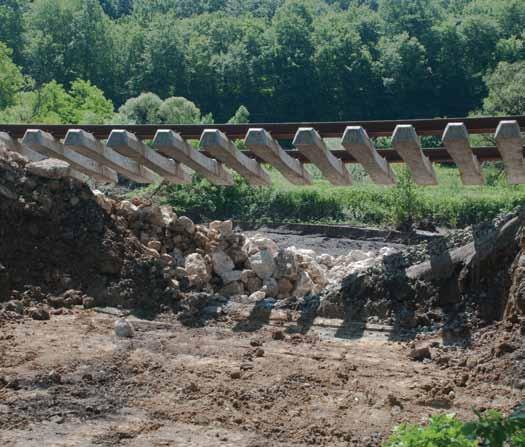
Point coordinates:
[(491, 429)]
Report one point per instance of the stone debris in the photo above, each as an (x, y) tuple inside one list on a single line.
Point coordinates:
[(124, 329), (216, 259), (183, 256)]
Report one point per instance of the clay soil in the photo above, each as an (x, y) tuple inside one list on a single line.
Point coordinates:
[(70, 382)]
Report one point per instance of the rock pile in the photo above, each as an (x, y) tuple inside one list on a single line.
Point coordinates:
[(113, 252), (216, 259)]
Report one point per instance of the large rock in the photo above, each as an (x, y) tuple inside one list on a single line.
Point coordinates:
[(223, 228), (262, 264), (152, 215), (124, 329), (304, 285), (232, 289), (196, 269), (228, 277), (168, 216), (285, 287), (286, 264), (317, 273), (326, 260), (303, 254), (251, 281), (183, 225), (49, 168), (259, 242), (222, 263), (270, 287)]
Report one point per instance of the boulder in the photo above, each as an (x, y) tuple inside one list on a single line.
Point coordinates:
[(152, 215), (124, 329), (49, 168), (233, 288), (304, 285), (228, 277), (257, 296), (262, 264), (285, 287), (270, 287), (303, 254), (155, 245), (286, 264), (326, 260), (221, 262), (187, 225), (197, 270), (251, 281), (223, 228), (259, 242)]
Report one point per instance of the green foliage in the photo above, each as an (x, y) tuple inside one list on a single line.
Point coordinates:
[(284, 60), (506, 93), (51, 103), (203, 202), (148, 108), (442, 431), (491, 429), (11, 78), (242, 116), (405, 200)]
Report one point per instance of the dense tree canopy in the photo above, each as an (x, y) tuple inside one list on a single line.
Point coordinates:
[(284, 60)]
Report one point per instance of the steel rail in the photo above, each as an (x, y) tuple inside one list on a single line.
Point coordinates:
[(424, 127)]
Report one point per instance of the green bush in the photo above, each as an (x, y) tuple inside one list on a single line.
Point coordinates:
[(491, 429), (203, 201)]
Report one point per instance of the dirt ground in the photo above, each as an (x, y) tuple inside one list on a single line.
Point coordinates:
[(70, 381)]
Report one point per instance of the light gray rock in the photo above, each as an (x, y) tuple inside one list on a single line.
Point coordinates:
[(124, 329), (263, 264), (50, 168), (196, 269), (187, 224), (222, 263), (223, 228), (228, 277), (257, 296), (304, 285), (259, 242)]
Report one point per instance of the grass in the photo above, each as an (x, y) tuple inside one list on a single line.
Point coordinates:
[(449, 204)]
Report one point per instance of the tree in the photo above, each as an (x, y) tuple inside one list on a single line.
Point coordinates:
[(67, 40), (506, 95), (161, 65), (242, 116), (143, 109), (407, 77), (178, 110), (90, 106), (349, 88), (148, 108), (11, 13), (11, 78)]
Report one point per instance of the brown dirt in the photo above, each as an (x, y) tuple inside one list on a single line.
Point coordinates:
[(55, 237), (70, 382)]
